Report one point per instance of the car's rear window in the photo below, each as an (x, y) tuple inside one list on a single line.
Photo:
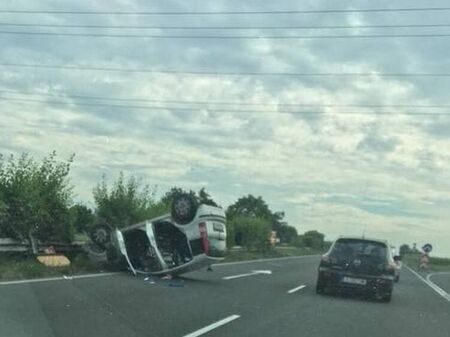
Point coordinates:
[(346, 248)]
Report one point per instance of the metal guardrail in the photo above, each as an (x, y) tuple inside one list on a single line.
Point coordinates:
[(11, 245)]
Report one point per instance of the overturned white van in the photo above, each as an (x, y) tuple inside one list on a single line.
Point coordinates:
[(189, 238)]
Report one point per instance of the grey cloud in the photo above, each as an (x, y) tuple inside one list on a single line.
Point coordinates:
[(277, 156), (377, 143)]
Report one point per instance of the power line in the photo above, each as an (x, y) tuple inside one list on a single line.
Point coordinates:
[(40, 25), (271, 12), (225, 103), (218, 73), (229, 37), (140, 107)]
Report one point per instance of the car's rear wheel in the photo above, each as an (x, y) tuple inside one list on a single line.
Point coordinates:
[(320, 286), (386, 297), (184, 208), (383, 295)]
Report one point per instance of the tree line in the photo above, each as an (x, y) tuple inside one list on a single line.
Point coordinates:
[(37, 200)]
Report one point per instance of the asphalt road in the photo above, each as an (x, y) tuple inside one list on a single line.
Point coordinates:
[(442, 280), (122, 305)]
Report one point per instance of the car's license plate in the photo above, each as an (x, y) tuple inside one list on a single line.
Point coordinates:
[(352, 280)]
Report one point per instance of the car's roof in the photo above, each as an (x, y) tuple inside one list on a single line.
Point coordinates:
[(362, 238)]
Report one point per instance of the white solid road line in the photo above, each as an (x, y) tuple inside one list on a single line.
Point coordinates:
[(254, 272), (432, 285), (296, 289), (63, 278), (213, 326)]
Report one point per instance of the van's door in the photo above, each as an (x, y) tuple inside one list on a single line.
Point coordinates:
[(123, 249), (151, 237)]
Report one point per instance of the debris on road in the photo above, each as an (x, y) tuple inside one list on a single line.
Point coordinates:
[(149, 279)]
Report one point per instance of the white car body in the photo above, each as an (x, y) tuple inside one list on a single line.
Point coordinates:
[(161, 246)]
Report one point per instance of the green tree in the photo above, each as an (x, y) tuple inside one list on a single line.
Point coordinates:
[(277, 221), (128, 201), (250, 206), (405, 249), (3, 215), (82, 217), (205, 198), (35, 198), (312, 239), (250, 232), (287, 234), (169, 196)]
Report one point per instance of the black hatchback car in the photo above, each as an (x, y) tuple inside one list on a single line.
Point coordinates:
[(359, 264)]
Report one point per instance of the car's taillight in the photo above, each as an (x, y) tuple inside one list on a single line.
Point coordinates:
[(204, 237)]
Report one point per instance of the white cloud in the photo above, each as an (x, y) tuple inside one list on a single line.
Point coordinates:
[(320, 167)]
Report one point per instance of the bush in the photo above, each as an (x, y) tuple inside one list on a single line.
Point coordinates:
[(82, 218), (127, 202), (35, 198), (249, 232)]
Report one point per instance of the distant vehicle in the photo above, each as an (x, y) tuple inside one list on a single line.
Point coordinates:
[(398, 265), (358, 264), (189, 238)]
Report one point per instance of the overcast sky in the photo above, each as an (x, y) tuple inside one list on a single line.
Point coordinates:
[(380, 171)]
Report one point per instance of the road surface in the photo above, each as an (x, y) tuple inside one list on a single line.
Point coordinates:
[(231, 301), (442, 280)]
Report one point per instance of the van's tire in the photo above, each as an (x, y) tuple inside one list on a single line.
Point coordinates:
[(184, 208), (100, 235)]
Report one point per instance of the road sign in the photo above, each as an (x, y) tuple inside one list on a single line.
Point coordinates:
[(427, 248)]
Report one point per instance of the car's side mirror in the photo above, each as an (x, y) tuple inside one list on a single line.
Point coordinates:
[(397, 258)]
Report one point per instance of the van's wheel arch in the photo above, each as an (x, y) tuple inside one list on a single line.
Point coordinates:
[(184, 208)]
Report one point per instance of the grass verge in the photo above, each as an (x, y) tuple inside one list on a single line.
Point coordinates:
[(437, 264), (22, 266), (15, 266), (244, 255)]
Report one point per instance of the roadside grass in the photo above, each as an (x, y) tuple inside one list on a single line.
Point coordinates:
[(244, 254), (16, 266), (436, 264), (24, 266)]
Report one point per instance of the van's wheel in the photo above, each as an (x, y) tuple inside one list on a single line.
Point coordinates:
[(184, 208), (100, 235)]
